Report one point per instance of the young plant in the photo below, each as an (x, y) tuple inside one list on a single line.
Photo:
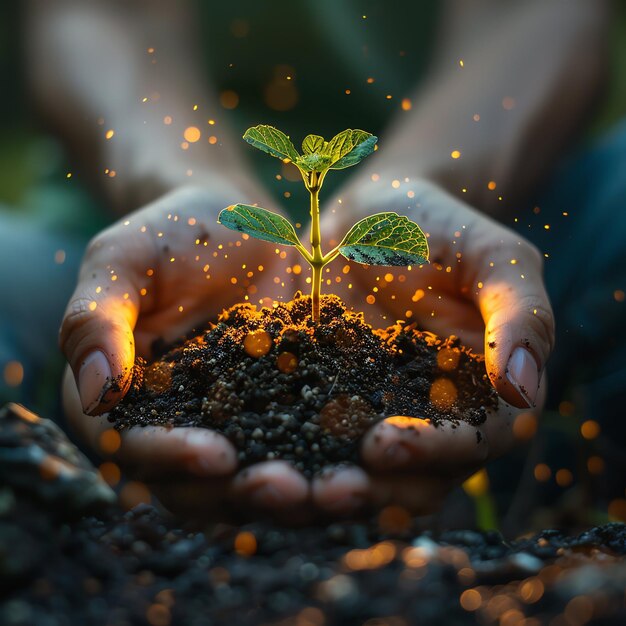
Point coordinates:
[(380, 239)]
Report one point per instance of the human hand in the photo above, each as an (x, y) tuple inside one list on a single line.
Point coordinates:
[(144, 279), (484, 298)]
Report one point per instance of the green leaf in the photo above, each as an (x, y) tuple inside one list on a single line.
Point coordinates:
[(385, 239), (259, 223), (312, 144), (349, 147), (313, 162), (272, 141)]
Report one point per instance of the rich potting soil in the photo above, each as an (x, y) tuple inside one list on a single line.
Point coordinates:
[(280, 387), (71, 556)]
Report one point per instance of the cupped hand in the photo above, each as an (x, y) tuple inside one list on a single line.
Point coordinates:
[(484, 284), (151, 277), (146, 279)]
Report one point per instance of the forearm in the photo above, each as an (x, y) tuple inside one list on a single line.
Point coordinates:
[(129, 68), (530, 72)]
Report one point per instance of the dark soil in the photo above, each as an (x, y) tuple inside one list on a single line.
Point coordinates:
[(71, 556), (280, 387), (141, 569)]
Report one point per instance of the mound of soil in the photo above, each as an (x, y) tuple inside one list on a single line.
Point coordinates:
[(280, 387)]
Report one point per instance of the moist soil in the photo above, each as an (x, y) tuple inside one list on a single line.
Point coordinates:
[(142, 569), (71, 554), (280, 387)]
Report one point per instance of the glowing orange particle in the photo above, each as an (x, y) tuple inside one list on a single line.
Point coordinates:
[(443, 393), (531, 590), (477, 484), (394, 519), (491, 185), (229, 99), (596, 465), (13, 373), (407, 105), (378, 555), (110, 441), (110, 473), (245, 544), (542, 472), (109, 134), (470, 600), (158, 615), (525, 426), (448, 359), (564, 477), (418, 295), (370, 299), (287, 362), (455, 154), (590, 429), (617, 510), (508, 103), (134, 493), (257, 343), (192, 134)]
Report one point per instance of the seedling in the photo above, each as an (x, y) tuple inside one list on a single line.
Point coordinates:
[(380, 239)]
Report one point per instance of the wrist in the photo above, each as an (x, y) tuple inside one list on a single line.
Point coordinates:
[(138, 176)]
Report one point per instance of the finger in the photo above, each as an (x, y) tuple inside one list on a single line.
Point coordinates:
[(493, 268), (519, 324), (152, 452), (97, 330), (408, 443), (341, 490), (270, 485)]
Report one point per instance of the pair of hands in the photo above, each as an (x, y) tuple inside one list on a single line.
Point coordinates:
[(146, 278)]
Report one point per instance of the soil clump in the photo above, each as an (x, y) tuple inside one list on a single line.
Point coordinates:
[(280, 387)]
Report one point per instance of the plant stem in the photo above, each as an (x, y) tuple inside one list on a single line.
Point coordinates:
[(317, 261), (316, 281)]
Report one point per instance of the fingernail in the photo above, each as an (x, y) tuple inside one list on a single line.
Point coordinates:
[(93, 380), (397, 455), (267, 495), (522, 372)]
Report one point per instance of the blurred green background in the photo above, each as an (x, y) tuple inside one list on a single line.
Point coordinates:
[(26, 152)]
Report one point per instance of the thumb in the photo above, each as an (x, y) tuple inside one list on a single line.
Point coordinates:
[(97, 333), (519, 324)]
